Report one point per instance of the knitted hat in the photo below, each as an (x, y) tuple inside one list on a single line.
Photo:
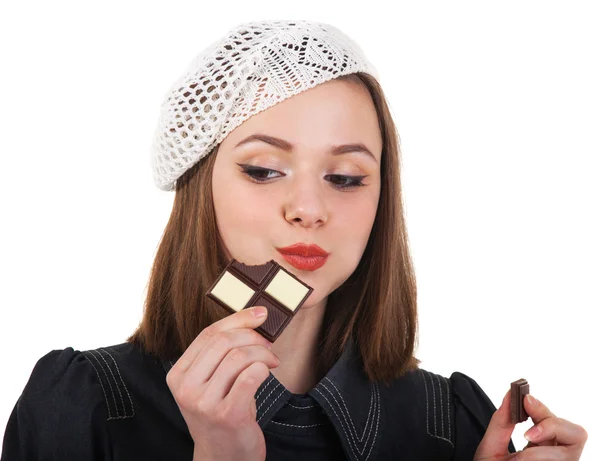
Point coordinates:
[(253, 67)]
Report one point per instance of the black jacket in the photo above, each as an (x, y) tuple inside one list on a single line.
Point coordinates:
[(113, 403)]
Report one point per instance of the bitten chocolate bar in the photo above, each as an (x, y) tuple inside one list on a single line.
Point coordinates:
[(240, 286), (518, 390)]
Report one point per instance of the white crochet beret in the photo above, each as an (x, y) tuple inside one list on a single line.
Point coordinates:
[(253, 67)]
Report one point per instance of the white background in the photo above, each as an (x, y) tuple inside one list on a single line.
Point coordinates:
[(497, 106)]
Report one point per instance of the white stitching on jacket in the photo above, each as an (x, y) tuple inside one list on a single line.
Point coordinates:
[(121, 378), (300, 408), (272, 403), (295, 425), (103, 390), (266, 385), (267, 397), (448, 402), (367, 424), (114, 379), (377, 426), (437, 378), (371, 406), (336, 415), (435, 427), (109, 384), (427, 410)]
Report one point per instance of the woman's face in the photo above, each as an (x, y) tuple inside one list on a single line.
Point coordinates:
[(297, 194)]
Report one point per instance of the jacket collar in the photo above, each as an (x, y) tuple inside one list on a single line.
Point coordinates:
[(349, 399)]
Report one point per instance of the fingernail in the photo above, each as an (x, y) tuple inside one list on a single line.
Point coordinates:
[(259, 312), (532, 400), (533, 433)]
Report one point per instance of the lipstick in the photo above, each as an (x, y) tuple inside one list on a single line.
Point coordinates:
[(304, 257)]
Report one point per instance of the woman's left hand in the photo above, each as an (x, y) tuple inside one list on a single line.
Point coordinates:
[(551, 438)]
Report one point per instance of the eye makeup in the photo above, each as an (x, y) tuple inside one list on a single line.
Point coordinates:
[(257, 174)]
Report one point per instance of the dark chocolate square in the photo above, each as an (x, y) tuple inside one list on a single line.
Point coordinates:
[(258, 279)]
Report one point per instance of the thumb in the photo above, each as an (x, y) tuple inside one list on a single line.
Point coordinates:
[(497, 436)]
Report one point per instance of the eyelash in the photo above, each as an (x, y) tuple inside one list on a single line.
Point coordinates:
[(356, 181)]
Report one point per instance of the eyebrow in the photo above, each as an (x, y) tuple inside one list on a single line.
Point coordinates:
[(288, 147)]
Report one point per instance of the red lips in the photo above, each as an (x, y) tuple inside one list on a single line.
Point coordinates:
[(304, 257), (302, 249)]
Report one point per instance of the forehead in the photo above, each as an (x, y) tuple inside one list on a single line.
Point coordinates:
[(332, 113)]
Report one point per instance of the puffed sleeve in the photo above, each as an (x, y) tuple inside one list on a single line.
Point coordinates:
[(61, 413), (474, 410)]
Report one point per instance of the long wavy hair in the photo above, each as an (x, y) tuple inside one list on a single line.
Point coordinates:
[(376, 307)]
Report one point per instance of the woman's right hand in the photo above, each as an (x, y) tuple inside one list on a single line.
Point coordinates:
[(214, 383)]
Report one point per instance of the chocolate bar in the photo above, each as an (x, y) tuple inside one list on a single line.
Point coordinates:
[(240, 286), (518, 390)]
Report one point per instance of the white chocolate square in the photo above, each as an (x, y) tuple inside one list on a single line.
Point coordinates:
[(287, 290), (233, 292)]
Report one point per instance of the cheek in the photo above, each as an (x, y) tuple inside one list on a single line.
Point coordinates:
[(356, 217), (353, 226), (242, 219), (244, 206)]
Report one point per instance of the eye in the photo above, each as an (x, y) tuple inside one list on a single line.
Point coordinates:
[(260, 175), (348, 182), (256, 173)]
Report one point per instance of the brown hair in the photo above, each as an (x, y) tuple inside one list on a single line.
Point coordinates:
[(376, 306)]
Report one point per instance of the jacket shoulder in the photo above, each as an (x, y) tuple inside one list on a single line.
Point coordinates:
[(61, 412), (457, 409), (419, 417), (97, 375), (442, 418), (110, 364)]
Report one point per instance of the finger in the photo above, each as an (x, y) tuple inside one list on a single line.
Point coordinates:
[(557, 453), (554, 430), (217, 348), (246, 318), (240, 402), (541, 444), (547, 443), (536, 409), (497, 436), (236, 361)]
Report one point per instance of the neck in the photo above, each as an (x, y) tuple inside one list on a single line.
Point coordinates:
[(297, 349)]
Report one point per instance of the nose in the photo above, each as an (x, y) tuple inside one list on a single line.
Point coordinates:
[(305, 203)]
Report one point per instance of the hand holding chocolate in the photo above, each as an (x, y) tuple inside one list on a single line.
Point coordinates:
[(240, 286)]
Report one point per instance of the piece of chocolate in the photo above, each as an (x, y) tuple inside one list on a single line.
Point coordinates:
[(240, 286), (518, 390)]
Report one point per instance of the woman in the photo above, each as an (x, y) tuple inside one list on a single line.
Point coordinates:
[(277, 140)]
